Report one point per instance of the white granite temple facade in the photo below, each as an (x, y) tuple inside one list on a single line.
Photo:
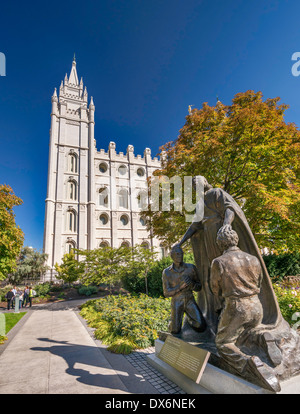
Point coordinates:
[(93, 197)]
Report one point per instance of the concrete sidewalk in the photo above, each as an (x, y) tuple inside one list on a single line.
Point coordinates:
[(53, 352)]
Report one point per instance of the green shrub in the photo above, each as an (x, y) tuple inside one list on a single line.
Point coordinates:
[(155, 277), (281, 265), (43, 289), (56, 287), (87, 290), (127, 322)]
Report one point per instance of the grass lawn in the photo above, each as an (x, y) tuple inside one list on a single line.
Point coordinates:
[(10, 320)]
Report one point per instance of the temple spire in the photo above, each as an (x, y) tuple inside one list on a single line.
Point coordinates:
[(73, 79)]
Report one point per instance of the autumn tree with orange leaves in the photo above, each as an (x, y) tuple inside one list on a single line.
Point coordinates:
[(249, 150)]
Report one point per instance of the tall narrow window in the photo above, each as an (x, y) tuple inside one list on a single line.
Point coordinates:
[(161, 251), (142, 200), (123, 198), (73, 163), (103, 197), (71, 221), (72, 190)]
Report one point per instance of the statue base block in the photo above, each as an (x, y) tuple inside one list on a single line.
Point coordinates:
[(216, 381)]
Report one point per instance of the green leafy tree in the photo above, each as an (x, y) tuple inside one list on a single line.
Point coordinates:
[(70, 270), (102, 265), (30, 265), (11, 236), (139, 261), (249, 150)]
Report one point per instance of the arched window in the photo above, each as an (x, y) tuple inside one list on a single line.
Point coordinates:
[(73, 164), (70, 246), (71, 221), (103, 197), (72, 190), (145, 245), (123, 198), (125, 244), (104, 244)]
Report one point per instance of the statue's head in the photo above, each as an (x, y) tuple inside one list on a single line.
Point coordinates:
[(226, 237), (205, 183), (177, 254)]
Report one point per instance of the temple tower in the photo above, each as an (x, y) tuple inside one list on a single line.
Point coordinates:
[(93, 197)]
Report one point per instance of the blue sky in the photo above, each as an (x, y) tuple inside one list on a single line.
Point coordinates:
[(144, 62)]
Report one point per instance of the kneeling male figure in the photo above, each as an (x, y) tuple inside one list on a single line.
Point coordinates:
[(179, 281)]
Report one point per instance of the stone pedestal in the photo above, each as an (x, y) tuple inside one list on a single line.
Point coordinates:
[(215, 380)]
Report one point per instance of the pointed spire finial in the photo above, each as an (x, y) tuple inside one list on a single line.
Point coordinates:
[(92, 103), (74, 58), (54, 96), (73, 78)]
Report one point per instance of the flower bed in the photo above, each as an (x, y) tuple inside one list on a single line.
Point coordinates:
[(288, 297)]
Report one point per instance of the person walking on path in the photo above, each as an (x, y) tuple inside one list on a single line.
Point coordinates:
[(9, 296)]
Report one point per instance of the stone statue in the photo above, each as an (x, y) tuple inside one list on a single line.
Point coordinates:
[(261, 347), (236, 277), (220, 209), (179, 281)]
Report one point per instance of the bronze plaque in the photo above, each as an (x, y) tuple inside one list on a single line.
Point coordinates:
[(186, 358)]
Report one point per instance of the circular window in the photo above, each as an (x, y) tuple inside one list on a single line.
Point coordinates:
[(122, 170), (104, 219), (140, 172), (124, 220), (104, 244), (103, 167)]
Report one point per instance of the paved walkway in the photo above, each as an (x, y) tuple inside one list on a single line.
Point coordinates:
[(52, 351)]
